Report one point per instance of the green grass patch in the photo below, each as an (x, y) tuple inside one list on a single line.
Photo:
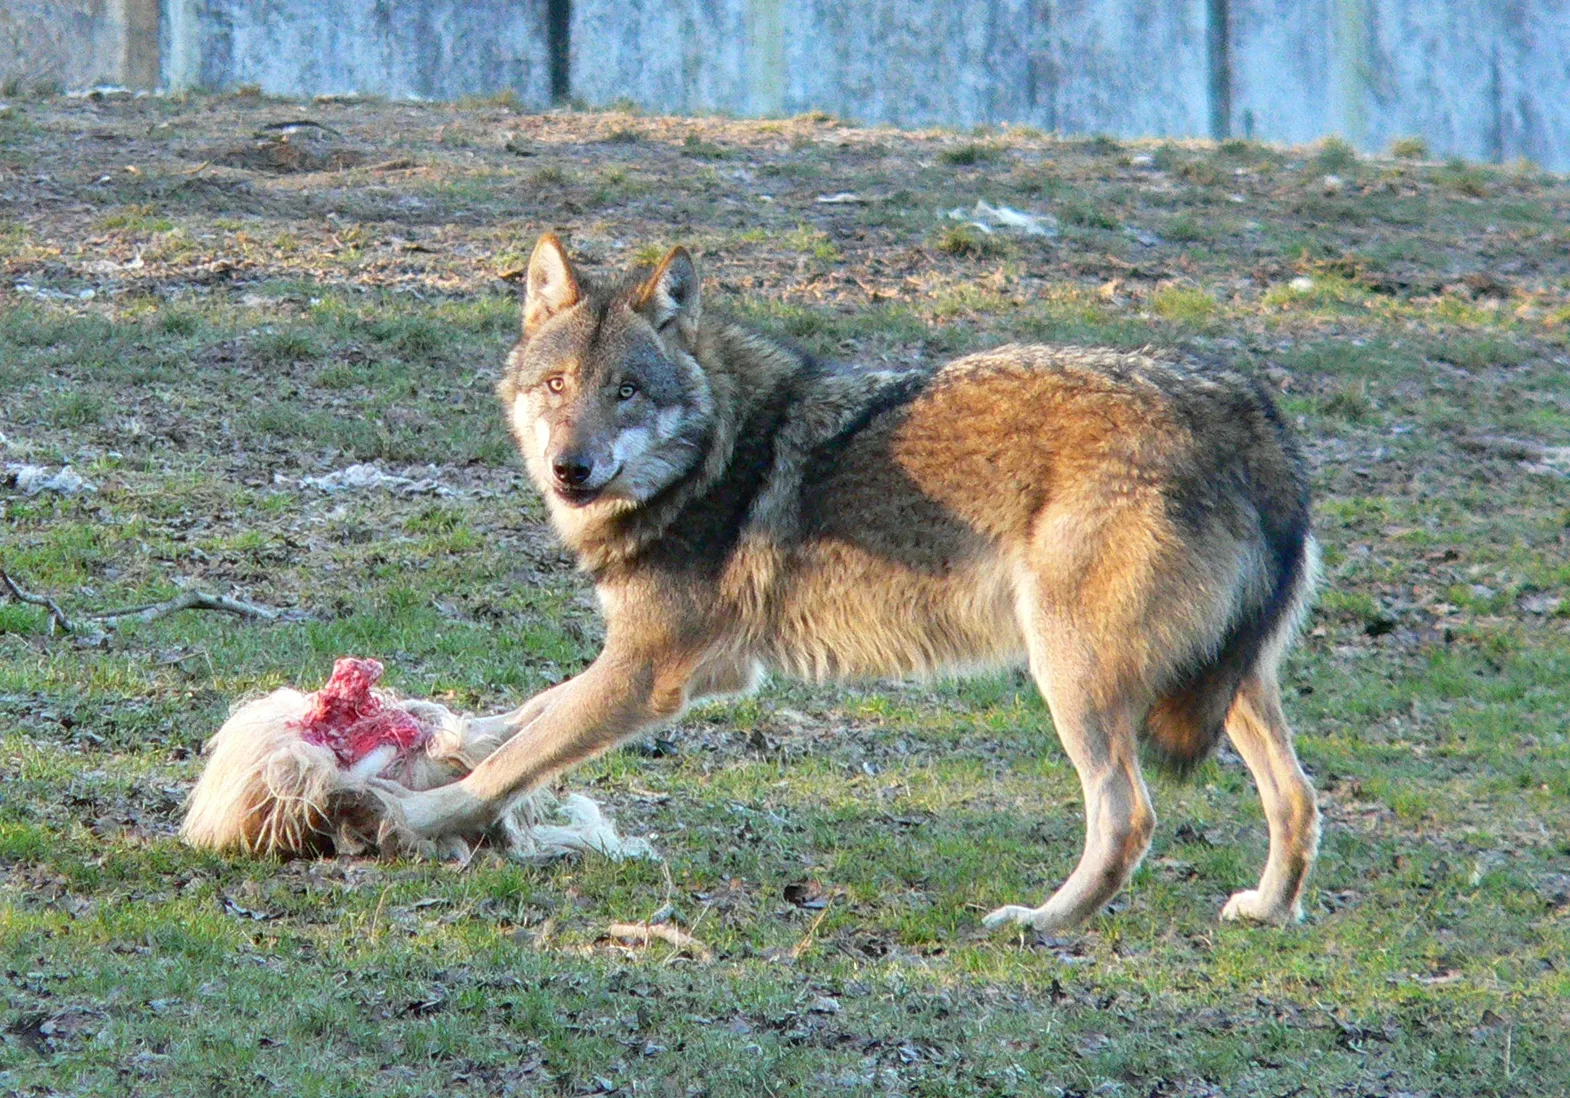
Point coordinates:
[(970, 242), (1183, 304), (970, 154)]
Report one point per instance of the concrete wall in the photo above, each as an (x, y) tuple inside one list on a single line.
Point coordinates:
[(435, 49), (1124, 67), (1485, 79), (55, 44)]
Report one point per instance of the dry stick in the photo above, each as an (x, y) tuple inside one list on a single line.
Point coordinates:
[(644, 933), (56, 615), (190, 600), (186, 600), (812, 932)]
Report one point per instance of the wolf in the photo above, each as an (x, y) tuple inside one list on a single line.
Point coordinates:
[(1133, 527)]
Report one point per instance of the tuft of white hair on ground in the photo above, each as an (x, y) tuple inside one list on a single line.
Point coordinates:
[(265, 791), (587, 830), (33, 479)]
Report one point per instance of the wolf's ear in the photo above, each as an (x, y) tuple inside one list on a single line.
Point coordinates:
[(671, 292), (551, 285)]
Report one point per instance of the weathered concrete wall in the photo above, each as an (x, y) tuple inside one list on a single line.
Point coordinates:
[(1485, 79), (1122, 67), (48, 44), (437, 49), (1089, 66)]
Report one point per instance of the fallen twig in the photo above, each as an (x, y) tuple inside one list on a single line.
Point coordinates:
[(57, 618), (190, 600), (186, 600), (812, 932), (294, 125), (644, 933)]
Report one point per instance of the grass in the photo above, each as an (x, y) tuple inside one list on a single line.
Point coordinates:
[(969, 155), (970, 242), (1409, 148), (1335, 155), (1183, 304), (834, 846)]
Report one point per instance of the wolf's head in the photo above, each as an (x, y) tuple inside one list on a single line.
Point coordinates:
[(603, 393)]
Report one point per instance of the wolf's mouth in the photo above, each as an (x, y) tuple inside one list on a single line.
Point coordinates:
[(582, 497), (578, 497)]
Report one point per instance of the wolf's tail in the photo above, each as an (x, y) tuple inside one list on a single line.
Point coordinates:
[(1186, 723)]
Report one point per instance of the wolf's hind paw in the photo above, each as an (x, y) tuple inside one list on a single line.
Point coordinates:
[(1250, 907)]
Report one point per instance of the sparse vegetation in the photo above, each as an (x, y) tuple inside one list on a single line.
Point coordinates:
[(1469, 180), (970, 154), (834, 846), (970, 242), (694, 146), (1409, 148), (1087, 214), (1202, 173), (287, 345), (1335, 155), (1184, 304)]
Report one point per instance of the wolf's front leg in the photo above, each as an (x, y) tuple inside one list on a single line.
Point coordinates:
[(616, 697), (504, 726)]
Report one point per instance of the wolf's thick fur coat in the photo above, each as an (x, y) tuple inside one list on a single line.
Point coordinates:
[(1132, 526)]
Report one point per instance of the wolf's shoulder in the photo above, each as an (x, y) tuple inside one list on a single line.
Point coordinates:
[(832, 401)]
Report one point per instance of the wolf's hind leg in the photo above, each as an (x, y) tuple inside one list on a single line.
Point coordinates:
[(1259, 731), (1100, 738)]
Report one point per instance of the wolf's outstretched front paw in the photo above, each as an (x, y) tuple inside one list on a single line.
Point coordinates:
[(1249, 906), (444, 812)]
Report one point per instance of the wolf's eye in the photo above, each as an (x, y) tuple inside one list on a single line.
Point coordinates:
[(627, 391), (555, 384)]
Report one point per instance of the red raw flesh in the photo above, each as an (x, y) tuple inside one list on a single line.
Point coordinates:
[(349, 720)]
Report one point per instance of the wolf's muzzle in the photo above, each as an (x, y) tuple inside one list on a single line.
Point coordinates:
[(572, 470)]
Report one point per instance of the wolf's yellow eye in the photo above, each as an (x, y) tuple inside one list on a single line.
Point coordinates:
[(555, 384), (627, 391)]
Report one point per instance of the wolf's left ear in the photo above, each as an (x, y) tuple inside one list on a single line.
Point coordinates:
[(551, 285), (671, 292)]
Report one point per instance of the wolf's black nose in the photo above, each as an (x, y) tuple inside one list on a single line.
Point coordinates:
[(571, 471)]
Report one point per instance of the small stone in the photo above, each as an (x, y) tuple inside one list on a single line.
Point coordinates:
[(1541, 604)]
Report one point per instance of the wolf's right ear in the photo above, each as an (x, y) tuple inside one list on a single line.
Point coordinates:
[(671, 292), (551, 285)]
